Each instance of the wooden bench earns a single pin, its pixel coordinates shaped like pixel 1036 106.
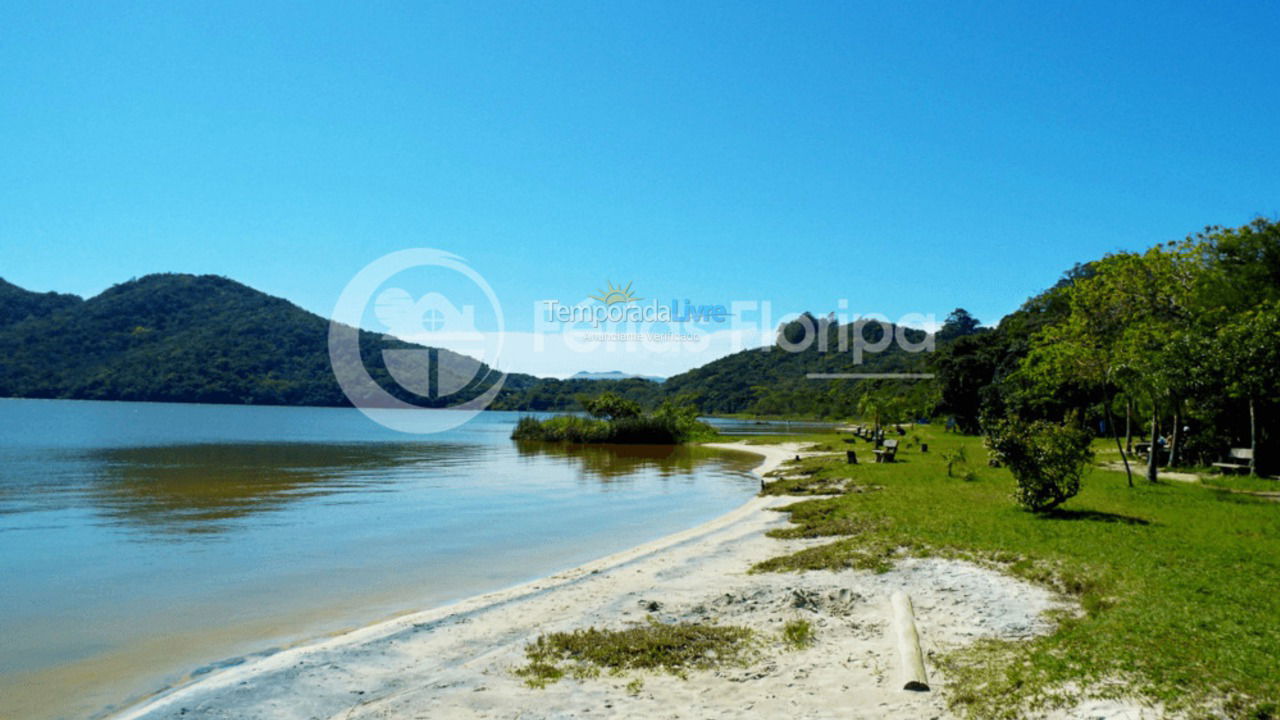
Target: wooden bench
pixel 1236 459
pixel 888 452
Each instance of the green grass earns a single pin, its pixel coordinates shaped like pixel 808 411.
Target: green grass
pixel 1180 583
pixel 1241 482
pixel 675 648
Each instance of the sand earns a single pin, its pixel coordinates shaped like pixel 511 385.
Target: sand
pixel 457 661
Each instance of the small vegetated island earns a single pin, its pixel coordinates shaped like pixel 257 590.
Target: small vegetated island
pixel 616 419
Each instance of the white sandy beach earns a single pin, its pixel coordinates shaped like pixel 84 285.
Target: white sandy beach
pixel 457 661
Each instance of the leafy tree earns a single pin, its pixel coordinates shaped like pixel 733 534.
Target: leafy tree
pixel 1128 328
pixel 965 369
pixel 959 323
pixel 1248 347
pixel 610 406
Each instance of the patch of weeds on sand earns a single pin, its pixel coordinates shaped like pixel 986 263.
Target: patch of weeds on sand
pixel 635 686
pixel 839 555
pixel 810 476
pixel 811 519
pixel 675 648
pixel 804 485
pixel 797 634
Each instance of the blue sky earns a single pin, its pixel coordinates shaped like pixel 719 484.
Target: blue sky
pixel 907 157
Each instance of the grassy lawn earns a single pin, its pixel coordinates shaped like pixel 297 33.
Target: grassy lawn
pixel 1242 482
pixel 1180 584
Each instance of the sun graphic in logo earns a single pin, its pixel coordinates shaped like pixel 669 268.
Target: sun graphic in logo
pixel 615 295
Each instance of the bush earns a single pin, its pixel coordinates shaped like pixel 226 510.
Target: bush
pixel 1047 460
pixel 563 428
pixel 647 430
pixel 670 424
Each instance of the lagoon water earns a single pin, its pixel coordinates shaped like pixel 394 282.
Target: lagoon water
pixel 141 543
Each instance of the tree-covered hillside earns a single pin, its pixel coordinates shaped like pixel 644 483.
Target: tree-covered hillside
pixel 178 338
pixel 186 338
pixel 775 381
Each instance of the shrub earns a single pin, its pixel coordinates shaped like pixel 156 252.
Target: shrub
pixel 954 458
pixel 646 430
pixel 1047 460
pixel 682 419
pixel 615 422
pixel 528 428
pixel 563 428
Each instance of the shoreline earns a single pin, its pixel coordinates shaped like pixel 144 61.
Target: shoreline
pixel 458 660
pixel 234 669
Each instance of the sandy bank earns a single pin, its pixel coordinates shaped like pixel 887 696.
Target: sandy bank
pixel 457 661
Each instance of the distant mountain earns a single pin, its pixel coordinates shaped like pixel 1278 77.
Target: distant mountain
pixel 612 375
pixel 188 338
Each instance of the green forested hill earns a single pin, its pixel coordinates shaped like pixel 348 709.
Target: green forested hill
pixel 774 381
pixel 187 338
pixel 178 338
pixel 17 304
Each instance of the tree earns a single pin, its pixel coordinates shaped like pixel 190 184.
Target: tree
pixel 1248 347
pixel 1241 297
pixel 959 324
pixel 1131 323
pixel 965 368
pixel 882 405
pixel 610 406
pixel 1083 347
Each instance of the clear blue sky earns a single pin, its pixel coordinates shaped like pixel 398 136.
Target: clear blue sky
pixel 911 157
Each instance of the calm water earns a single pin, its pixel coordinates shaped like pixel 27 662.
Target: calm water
pixel 140 543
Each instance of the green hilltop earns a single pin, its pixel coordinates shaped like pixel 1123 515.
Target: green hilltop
pixel 179 338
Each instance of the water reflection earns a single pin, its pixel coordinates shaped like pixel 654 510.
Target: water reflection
pixel 138 540
pixel 203 489
pixel 608 462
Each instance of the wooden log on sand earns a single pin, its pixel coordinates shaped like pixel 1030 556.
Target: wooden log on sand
pixel 904 622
